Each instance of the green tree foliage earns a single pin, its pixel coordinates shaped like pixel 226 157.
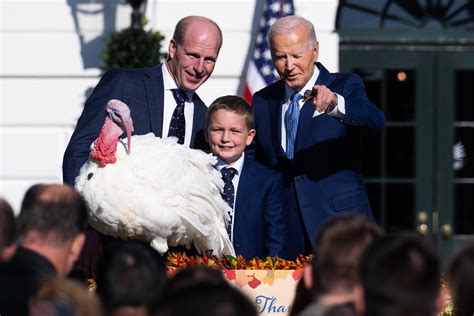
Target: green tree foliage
pixel 132 48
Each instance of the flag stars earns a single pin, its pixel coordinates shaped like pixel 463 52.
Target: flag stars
pixel 271 21
pixel 287 8
pixel 267 54
pixel 272 10
pixel 266 70
pixel 275 73
pixel 275 7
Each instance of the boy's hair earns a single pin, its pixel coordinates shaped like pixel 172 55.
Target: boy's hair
pixel 231 103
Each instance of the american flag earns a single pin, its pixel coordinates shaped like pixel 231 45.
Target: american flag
pixel 260 70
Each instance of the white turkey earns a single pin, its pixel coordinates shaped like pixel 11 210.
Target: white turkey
pixel 153 189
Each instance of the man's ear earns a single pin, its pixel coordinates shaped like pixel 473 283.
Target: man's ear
pixel 76 246
pixel 359 300
pixel 308 277
pixel 315 52
pixel 250 137
pixel 172 48
pixel 71 254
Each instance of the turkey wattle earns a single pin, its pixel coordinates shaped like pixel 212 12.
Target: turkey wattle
pixel 153 189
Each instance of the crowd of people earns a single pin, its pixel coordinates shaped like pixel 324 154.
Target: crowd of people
pixel 357 269
pixel 290 170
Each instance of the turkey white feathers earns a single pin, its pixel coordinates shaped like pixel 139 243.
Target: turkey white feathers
pixel 153 189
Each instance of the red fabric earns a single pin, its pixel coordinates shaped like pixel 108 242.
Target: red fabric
pixel 247 94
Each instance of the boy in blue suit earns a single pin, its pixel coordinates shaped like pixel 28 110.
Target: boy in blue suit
pixel 254 192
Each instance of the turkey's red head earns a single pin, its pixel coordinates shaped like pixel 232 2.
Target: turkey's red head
pixel 117 121
pixel 119 112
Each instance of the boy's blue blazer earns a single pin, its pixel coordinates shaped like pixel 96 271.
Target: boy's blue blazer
pixel 260 222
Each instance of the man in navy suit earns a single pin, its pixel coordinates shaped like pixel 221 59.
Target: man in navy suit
pixel 257 226
pixel 313 140
pixel 192 54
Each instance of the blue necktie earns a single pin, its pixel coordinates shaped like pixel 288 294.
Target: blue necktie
pixel 178 122
pixel 292 116
pixel 229 193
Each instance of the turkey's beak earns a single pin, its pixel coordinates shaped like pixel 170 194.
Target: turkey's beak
pixel 128 124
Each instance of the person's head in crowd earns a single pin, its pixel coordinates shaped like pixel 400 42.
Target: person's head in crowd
pixel 7 231
pixel 228 128
pixel 303 297
pixel 461 281
pixel 337 253
pixel 192 276
pixel 400 275
pixel 52 222
pixel 206 300
pixel 332 277
pixel 339 310
pixel 59 296
pixel 130 278
pixel 294 49
pixel 193 51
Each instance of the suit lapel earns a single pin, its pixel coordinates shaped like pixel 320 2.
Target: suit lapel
pixel 199 117
pixel 245 191
pixel 155 97
pixel 275 122
pixel 306 114
pixel 324 78
pixel 276 103
pixel 307 111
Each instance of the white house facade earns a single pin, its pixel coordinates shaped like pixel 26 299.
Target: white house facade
pixel 49 58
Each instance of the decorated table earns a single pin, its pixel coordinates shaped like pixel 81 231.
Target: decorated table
pixel 270 283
